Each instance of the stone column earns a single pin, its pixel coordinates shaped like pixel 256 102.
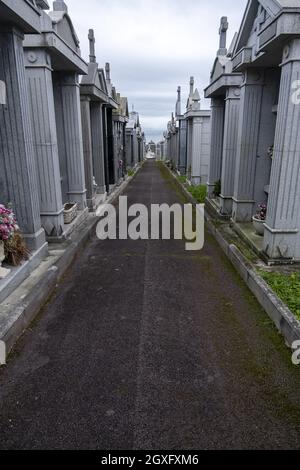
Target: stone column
pixel 282 236
pixel 39 77
pixel 177 148
pixel 18 175
pixel 110 146
pixel 117 149
pixel 87 150
pixel 105 147
pixel 97 146
pixel 232 106
pixel 247 145
pixel 217 130
pixel 182 146
pixel 73 139
pixel 196 150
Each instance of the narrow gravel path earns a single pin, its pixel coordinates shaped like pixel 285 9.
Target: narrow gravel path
pixel 147 346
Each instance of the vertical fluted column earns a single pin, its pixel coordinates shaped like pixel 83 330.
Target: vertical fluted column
pixel 87 150
pixel 18 174
pixel 97 146
pixel 189 147
pixel 177 149
pixel 105 147
pixel 39 77
pixel 247 145
pixel 110 147
pixel 182 146
pixel 232 105
pixel 282 236
pixel 73 139
pixel 216 149
pixel 196 150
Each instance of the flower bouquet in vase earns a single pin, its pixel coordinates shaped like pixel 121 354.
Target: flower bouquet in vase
pixel 259 219
pixel 12 245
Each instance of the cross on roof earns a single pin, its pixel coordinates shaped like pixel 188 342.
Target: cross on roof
pixel 92 41
pixel 223 35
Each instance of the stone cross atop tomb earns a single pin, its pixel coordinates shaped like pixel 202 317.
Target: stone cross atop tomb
pixel 60 5
pixel 92 41
pixel 107 71
pixel 223 36
pixel 192 82
pixel 178 103
pixel 190 98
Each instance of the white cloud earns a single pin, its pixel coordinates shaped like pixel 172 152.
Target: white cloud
pixel 154 46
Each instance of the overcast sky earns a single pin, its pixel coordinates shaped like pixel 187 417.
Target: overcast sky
pixel 153 46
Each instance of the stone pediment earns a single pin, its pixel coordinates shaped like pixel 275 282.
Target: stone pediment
pixel 220 67
pixel 63 26
pixel 22 13
pixel 102 81
pixel 92 78
pixel 258 15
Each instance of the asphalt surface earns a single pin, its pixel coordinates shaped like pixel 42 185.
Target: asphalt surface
pixel 147 346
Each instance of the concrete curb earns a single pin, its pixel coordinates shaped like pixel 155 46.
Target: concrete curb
pixel 20 317
pixel 285 321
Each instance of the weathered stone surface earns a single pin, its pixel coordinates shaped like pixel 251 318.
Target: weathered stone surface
pixel 18 179
pixel 259 157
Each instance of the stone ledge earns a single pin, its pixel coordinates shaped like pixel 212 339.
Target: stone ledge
pixel 23 305
pixel 284 320
pixel 19 273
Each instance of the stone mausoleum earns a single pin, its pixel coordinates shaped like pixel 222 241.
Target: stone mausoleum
pixel 62 124
pixel 134 140
pixel 255 156
pixel 188 138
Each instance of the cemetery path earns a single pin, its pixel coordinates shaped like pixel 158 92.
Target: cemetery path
pixel 147 346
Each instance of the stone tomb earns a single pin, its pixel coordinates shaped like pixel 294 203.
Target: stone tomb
pixel 53 64
pixel 18 176
pixel 94 100
pixel 262 162
pixel 120 119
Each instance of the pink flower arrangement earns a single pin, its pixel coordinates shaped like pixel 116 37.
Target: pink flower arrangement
pixel 8 223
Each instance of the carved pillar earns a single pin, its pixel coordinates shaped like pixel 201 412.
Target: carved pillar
pixel 105 146
pixel 232 105
pixel 282 238
pixel 73 139
pixel 247 145
pixel 217 129
pixel 39 77
pixel 196 150
pixel 97 146
pixel 110 146
pixel 182 146
pixel 87 150
pixel 189 147
pixel 18 175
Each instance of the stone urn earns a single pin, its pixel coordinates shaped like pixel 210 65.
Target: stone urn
pixel 258 226
pixel 3 272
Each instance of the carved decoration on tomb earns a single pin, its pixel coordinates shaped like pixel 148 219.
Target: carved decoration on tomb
pixel 31 57
pixel 51 230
